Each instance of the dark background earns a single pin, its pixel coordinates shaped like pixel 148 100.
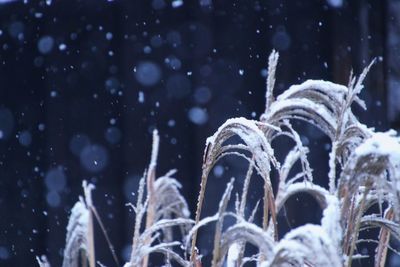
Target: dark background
pixel 84 83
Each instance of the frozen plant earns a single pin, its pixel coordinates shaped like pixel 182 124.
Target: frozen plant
pixel 161 205
pixel 364 172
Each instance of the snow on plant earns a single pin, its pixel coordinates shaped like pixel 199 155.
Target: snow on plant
pixel 364 171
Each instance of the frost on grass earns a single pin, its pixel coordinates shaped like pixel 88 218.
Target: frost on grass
pixel 364 172
pixel 77 234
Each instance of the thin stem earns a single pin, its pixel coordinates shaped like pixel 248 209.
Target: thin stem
pixel 246 188
pixel 204 176
pixel 87 188
pixel 103 229
pixel 151 176
pixel 357 227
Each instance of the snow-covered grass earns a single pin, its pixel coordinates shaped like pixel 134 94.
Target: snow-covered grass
pixel 364 172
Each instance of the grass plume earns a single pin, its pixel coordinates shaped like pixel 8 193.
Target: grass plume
pixel 364 172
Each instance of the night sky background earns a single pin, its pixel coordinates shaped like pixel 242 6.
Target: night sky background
pixel 84 82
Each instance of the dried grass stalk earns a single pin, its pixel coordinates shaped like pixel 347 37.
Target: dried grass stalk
pixel 364 171
pixel 80 237
pixel 151 176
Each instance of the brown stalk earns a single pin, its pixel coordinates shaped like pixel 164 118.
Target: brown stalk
pixel 269 207
pixel 103 229
pixel 203 183
pixel 83 258
pixel 151 176
pixel 384 238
